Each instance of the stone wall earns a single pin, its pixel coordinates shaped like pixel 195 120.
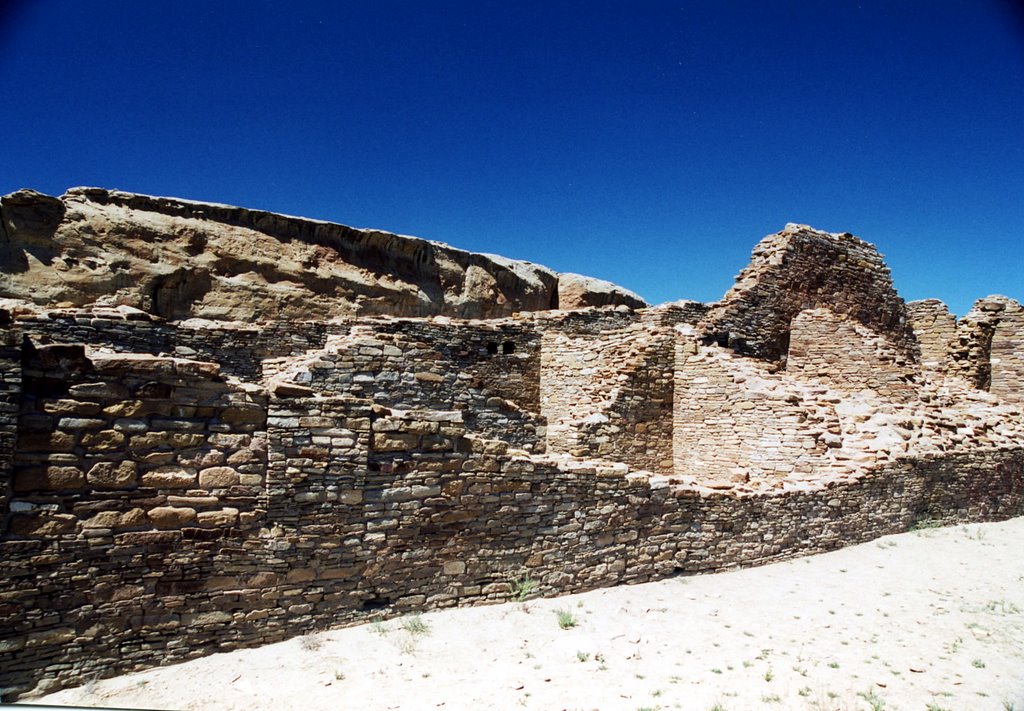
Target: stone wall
pixel 172 489
pixel 935 329
pixel 610 395
pixel 239 350
pixel 737 422
pixel 973 356
pixel 489 372
pixel 10 400
pixel 1007 355
pixel 801 268
pixel 369 512
pixel 848 356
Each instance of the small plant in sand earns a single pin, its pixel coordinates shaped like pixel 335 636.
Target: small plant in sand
pixel 379 627
pixel 876 702
pixel 936 707
pixel 311 642
pixel 566 620
pixel 978 664
pixel 769 675
pixel 415 625
pixel 1002 607
pixel 523 588
pixel 582 656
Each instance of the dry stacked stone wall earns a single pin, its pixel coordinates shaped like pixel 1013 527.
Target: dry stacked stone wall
pixel 829 348
pixel 1007 355
pixel 172 489
pixel 610 395
pixel 935 329
pixel 735 421
pixel 801 268
pixel 490 373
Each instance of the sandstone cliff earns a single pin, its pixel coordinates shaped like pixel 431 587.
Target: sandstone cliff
pixel 181 259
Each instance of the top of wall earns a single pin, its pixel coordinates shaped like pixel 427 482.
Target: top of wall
pixel 802 268
pixel 182 259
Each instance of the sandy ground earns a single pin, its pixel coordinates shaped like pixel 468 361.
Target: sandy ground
pixel 932 619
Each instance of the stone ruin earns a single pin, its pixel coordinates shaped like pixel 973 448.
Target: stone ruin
pixel 221 428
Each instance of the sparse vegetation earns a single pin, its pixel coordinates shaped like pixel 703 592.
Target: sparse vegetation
pixel 415 625
pixel 566 620
pixel 876 702
pixel 523 588
pixel 311 642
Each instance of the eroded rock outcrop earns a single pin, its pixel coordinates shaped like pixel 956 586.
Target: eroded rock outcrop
pixel 180 259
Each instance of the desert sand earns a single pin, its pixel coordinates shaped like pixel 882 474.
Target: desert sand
pixel 932 619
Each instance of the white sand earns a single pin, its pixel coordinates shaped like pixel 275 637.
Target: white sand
pixel 927 620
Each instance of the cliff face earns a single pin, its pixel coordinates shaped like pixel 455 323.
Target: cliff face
pixel 180 259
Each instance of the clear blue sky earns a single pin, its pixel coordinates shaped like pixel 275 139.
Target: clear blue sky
pixel 648 143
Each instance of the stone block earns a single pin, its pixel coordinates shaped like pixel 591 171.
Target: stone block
pixel 218 519
pixel 55 478
pixel 112 475
pixel 108 391
pixel 170 477
pixel 389 442
pixel 80 423
pixel 70 407
pixel 171 517
pixel 217 477
pixel 103 441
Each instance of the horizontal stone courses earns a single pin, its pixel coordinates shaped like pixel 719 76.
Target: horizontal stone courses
pixel 171 488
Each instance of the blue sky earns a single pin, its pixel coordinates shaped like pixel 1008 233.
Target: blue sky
pixel 648 143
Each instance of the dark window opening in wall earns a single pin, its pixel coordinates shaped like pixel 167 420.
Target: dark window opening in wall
pixel 508 347
pixel 492 348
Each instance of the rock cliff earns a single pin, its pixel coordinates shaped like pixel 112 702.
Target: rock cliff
pixel 180 259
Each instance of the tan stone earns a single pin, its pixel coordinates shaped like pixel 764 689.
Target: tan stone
pixel 171 516
pixel 112 475
pixel 70 407
pixel 104 519
pixel 170 478
pixel 218 519
pixel 104 440
pixel 217 477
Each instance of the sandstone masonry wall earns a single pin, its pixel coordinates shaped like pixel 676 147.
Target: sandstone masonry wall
pixel 801 268
pixel 737 423
pixel 488 372
pixel 172 489
pixel 610 395
pixel 831 349
pixel 935 329
pixel 1007 355
pixel 368 512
